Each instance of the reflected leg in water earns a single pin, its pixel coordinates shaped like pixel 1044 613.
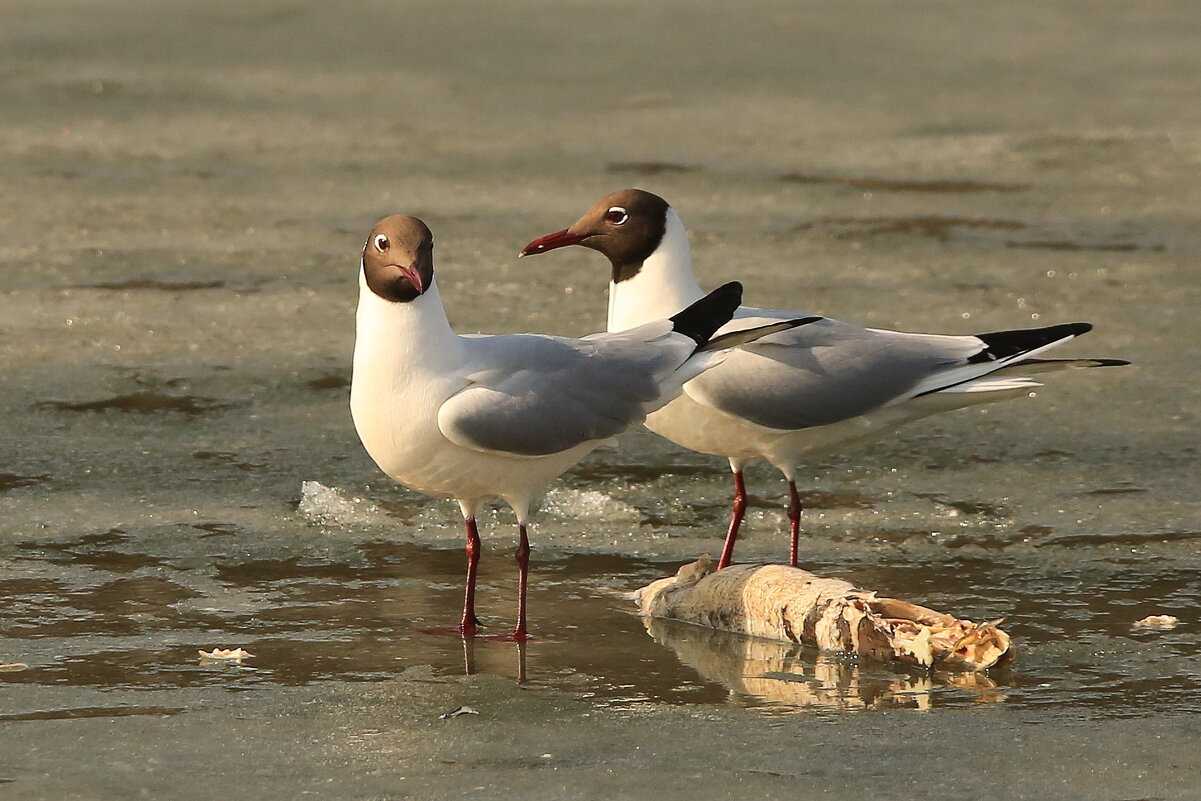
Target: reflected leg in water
pixel 469 656
pixel 521 673
pixel 469 646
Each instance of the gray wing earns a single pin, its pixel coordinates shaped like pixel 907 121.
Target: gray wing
pixel 827 371
pixel 533 395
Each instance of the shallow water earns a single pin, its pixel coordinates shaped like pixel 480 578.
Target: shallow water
pixel 186 193
pixel 105 611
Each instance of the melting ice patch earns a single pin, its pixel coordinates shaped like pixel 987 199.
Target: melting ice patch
pixel 328 506
pixel 587 504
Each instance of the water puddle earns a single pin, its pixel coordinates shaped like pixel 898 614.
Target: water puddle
pixel 651 167
pixel 1066 244
pixel 229 459
pixel 11 481
pixel 329 381
pixel 93 712
pixel 931 225
pixel 965 506
pixel 115 616
pixel 1127 538
pixel 152 283
pixel 990 230
pixel 903 185
pixel 139 403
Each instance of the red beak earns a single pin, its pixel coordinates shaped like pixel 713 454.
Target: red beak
pixel 559 239
pixel 414 275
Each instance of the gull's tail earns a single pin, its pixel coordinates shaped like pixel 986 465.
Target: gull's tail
pixel 1011 353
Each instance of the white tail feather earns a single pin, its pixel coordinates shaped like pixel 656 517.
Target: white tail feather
pixel 993 384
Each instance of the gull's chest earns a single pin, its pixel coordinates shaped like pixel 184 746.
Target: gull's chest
pixel 395 404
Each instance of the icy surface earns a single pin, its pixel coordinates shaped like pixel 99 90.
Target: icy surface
pixel 328 506
pixel 187 187
pixel 588 505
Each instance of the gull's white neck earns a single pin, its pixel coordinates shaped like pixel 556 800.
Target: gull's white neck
pixel 664 285
pixel 395 339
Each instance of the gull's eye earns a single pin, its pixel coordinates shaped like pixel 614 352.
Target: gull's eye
pixel 617 215
pixel 381 243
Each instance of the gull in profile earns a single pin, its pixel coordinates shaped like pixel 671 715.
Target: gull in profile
pixel 800 392
pixel 475 417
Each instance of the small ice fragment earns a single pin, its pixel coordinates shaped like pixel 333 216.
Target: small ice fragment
pixel 1156 623
pixel 12 667
pixel 327 506
pixel 454 713
pixel 587 504
pixel 224 655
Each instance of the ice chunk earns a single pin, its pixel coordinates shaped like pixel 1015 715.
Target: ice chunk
pixel 587 504
pixel 328 506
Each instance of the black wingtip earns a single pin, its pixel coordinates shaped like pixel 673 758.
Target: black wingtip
pixel 1003 344
pixel 701 320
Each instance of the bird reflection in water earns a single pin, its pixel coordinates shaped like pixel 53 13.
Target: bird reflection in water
pixel 469 665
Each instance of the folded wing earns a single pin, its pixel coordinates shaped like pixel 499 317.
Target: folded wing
pixel 831 371
pixel 532 395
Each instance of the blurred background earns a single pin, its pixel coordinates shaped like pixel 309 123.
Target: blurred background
pixel 187 187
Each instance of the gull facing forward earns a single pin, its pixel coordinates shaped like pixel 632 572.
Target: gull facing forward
pixel 800 392
pixel 477 417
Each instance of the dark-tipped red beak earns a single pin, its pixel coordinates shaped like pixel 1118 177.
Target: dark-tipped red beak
pixel 559 239
pixel 414 275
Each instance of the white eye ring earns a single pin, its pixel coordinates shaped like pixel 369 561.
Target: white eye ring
pixel 381 242
pixel 617 215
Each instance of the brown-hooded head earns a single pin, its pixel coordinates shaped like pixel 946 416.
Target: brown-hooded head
pixel 398 259
pixel 626 226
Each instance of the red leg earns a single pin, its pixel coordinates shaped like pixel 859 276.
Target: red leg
pixel 739 509
pixel 523 569
pixel 469 622
pixel 795 507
